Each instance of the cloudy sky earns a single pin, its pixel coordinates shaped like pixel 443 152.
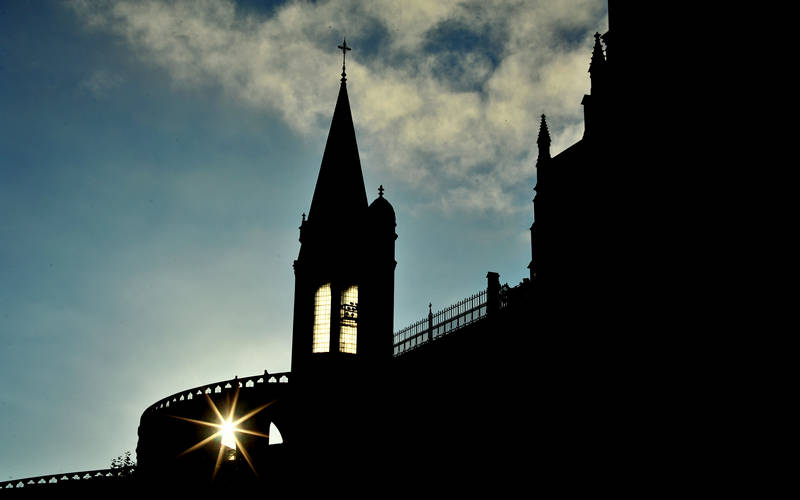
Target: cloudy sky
pixel 155 158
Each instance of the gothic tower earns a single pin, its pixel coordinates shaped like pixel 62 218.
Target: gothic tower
pixel 344 273
pixel 543 141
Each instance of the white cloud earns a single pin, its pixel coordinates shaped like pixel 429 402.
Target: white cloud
pixel 465 143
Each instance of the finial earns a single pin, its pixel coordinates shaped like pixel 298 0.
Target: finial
pixel 304 216
pixel 344 48
pixel 429 308
pixel 544 133
pixel 597 54
pixel 380 191
pixel 543 141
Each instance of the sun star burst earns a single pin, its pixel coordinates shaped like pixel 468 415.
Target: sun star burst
pixel 227 429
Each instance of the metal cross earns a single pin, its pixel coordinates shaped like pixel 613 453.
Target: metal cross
pixel 344 48
pixel 380 191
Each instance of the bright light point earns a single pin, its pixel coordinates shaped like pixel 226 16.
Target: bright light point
pixel 227 434
pixel 227 430
pixel 274 434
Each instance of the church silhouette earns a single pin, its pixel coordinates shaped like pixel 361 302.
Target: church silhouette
pixel 510 386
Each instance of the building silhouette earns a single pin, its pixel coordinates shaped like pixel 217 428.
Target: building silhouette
pixel 508 385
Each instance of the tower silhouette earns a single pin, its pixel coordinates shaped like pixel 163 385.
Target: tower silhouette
pixel 344 273
pixel 342 337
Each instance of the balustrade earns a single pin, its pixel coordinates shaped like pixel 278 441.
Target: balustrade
pixel 220 387
pixel 69 476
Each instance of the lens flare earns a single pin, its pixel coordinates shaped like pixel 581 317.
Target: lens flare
pixel 228 428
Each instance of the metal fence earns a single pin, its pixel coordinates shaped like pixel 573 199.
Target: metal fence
pixel 441 323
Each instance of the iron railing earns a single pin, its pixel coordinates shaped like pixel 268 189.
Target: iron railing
pixel 441 323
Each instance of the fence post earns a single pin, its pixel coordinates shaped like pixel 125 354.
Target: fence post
pixel 430 322
pixel 492 293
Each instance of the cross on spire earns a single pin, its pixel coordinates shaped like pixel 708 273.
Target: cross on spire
pixel 380 191
pixel 344 48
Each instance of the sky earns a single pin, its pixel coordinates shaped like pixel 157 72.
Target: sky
pixel 156 157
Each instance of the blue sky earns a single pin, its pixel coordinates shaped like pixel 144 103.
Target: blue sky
pixel 155 158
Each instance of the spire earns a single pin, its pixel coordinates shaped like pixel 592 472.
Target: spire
pixel 339 195
pixel 598 59
pixel 543 141
pixel 597 68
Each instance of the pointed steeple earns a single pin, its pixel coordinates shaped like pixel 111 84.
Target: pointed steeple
pixel 597 67
pixel 543 141
pixel 340 193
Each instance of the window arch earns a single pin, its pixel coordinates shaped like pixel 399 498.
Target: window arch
pixel 348 331
pixel 275 436
pixel 322 319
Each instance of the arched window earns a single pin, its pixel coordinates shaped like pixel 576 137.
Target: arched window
pixel 349 320
pixel 322 319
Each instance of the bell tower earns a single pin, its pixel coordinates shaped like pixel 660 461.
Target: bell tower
pixel 344 273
